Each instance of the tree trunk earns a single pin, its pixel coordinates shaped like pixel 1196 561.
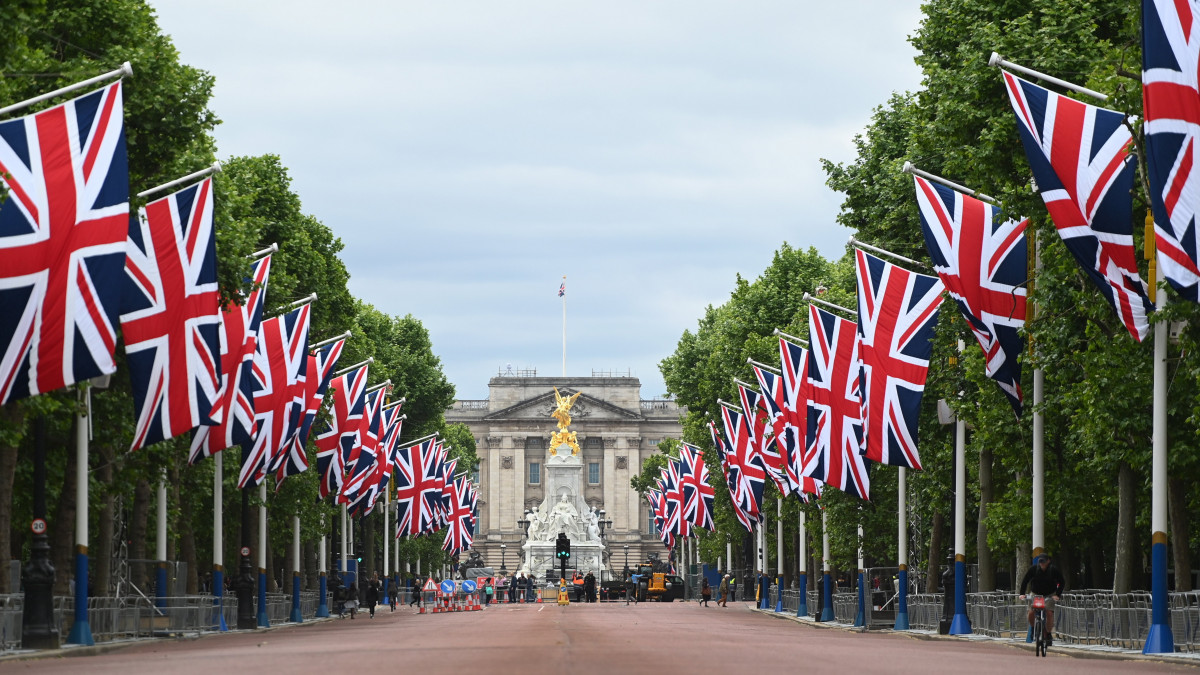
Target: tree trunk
pixel 1122 566
pixel 1066 561
pixel 187 551
pixel 137 533
pixel 12 415
pixel 1020 564
pixel 1177 503
pixel 933 571
pixel 987 568
pixel 62 535
pixel 101 556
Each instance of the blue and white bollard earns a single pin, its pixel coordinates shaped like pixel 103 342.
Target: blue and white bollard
pixel 802 608
pixel 296 616
pixel 263 620
pixel 902 599
pixel 322 603
pixel 860 615
pixel 961 623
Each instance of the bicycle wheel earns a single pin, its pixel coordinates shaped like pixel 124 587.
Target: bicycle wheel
pixel 1039 636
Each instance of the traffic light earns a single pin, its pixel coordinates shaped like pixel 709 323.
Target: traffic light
pixel 358 551
pixel 562 547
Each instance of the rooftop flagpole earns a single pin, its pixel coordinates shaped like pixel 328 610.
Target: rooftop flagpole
pixel 126 70
pixel 562 293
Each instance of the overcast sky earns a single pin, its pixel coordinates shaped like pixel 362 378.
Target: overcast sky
pixel 469 154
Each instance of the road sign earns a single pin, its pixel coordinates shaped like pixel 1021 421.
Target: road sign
pixel 448 586
pixel 430 586
pixel 469 586
pixel 246 551
pixel 38 526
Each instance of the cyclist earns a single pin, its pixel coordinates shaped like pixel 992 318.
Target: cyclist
pixel 1044 579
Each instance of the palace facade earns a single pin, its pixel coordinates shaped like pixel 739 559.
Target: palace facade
pixel 616 430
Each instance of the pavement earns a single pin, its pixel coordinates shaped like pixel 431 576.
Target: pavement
pixel 659 638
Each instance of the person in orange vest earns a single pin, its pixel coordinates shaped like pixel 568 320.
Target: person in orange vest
pixel 577 581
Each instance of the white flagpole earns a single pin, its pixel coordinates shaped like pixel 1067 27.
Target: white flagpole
pixel 215 167
pixel 998 61
pixel 125 70
pixel 564 307
pixel 909 168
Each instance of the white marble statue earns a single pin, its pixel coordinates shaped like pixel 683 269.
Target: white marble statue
pixel 592 523
pixel 564 518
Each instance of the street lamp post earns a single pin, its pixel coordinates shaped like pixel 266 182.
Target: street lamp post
pixel 503 556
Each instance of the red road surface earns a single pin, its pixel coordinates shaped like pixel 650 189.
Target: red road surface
pixel 598 638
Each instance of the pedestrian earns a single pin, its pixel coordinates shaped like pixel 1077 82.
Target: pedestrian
pixel 352 599
pixel 395 596
pixel 512 589
pixel 589 587
pixel 487 592
pixel 531 589
pixel 705 592
pixel 724 591
pixel 372 594
pixel 414 587
pixel 732 588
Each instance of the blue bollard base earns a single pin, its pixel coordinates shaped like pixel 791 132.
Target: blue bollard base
pixel 1159 640
pixel 960 625
pixel 221 625
pixel 827 614
pixel 779 605
pixel 802 610
pixel 81 634
pixel 296 617
pixel 858 620
pixel 901 621
pixel 263 620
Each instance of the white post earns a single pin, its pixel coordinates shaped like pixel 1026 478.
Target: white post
pixel 160 549
pixel 960 491
pixel 803 549
pixel 218 510
pixel 342 567
pixel 418 566
pixel 728 554
pixel 386 549
pixel 901 519
pixel 824 542
pixel 322 567
pixel 296 545
pixel 779 539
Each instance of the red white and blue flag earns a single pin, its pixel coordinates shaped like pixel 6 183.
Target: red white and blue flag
pixel 792 437
pixel 447 473
pixel 897 314
pixel 171 315
pixel 672 494
pixel 316 382
pixel 658 510
pixel 418 489
pixel 64 219
pixel 280 368
pixel 1171 96
pixel 756 408
pixel 234 405
pixel 747 473
pixel 361 462
pixel 698 495
pixel 981 258
pixel 460 530
pixel 340 433
pixel 834 442
pixel 1083 165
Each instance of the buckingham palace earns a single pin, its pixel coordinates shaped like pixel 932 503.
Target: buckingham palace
pixel 616 430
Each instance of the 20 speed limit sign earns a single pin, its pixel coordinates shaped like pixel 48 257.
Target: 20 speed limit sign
pixel 38 526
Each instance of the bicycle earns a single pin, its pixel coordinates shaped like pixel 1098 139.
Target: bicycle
pixel 1039 626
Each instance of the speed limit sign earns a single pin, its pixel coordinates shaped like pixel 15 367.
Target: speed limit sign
pixel 38 526
pixel 246 551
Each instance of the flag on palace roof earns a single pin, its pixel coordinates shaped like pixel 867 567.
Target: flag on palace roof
pixel 171 315
pixel 1082 162
pixel 64 220
pixel 897 314
pixel 981 258
pixel 234 405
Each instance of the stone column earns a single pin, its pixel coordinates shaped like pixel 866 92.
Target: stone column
pixel 493 482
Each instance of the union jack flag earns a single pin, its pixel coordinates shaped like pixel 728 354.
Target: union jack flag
pixel 658 507
pixel 280 367
pixel 756 408
pixel 316 382
pixel 385 456
pixel 698 495
pixel 672 493
pixel 791 439
pixel 234 406
pixel 981 259
pixel 1081 160
pixel 747 473
pixel 361 463
pixel 447 473
pixel 834 408
pixel 341 431
pixel 1171 94
pixel 170 315
pixel 64 218
pixel 418 489
pixel 897 314
pixel 459 529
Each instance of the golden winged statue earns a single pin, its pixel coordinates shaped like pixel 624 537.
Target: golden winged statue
pixel 562 413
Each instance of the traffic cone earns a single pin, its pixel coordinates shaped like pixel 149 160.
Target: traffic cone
pixel 539 597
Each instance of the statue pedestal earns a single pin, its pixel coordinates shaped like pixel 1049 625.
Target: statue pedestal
pixel 564 510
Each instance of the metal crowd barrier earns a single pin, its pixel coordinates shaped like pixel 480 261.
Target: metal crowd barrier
pixel 924 610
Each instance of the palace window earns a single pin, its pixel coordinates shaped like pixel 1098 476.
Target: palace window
pixel 593 473
pixel 650 525
pixel 535 473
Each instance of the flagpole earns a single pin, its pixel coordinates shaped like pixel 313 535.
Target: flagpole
pixel 1038 526
pixel 263 620
pixel 81 628
pixel 335 338
pixel 386 549
pixel 1159 640
pixel 998 61
pixel 860 615
pixel 826 577
pixel 342 567
pixel 902 550
pixel 564 326
pixel 296 616
pixel 810 298
pixel 218 588
pixel 771 369
pixel 264 252
pixel 347 369
pixel 875 249
pixel 960 624
pixel 779 554
pixel 126 70
pixel 802 554
pixel 215 167
pixel 909 168
pixel 801 341
pixel 323 572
